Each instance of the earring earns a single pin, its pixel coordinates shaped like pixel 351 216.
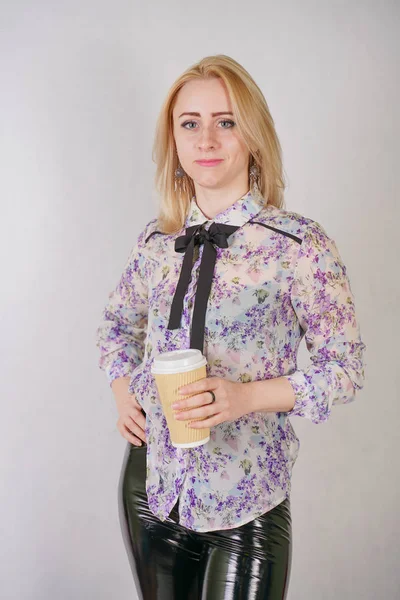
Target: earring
pixel 180 179
pixel 255 183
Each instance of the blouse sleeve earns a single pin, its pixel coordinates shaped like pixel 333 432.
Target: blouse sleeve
pixel 122 330
pixel 324 304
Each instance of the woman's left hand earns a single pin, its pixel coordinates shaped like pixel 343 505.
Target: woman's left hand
pixel 231 402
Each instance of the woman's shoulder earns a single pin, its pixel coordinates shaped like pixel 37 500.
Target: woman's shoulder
pixel 291 221
pixel 145 232
pixel 150 226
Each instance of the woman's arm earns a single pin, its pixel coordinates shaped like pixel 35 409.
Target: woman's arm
pixel 122 330
pixel 269 395
pixel 322 299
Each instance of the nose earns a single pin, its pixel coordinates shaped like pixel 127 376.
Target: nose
pixel 206 139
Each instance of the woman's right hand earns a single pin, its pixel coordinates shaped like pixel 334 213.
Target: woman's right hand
pixel 132 422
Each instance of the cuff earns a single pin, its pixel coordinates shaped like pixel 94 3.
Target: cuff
pixel 308 403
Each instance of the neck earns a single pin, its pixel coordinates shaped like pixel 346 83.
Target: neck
pixel 211 202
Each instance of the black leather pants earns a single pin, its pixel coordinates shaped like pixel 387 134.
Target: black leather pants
pixel 171 562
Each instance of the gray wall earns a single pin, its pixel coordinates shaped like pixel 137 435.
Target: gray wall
pixel 81 87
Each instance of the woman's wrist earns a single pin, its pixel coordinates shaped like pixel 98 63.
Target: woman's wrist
pixel 116 383
pixel 269 395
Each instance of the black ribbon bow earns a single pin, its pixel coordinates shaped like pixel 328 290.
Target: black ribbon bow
pixel 217 235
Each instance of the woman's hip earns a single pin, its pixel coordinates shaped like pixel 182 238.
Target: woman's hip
pixel 252 560
pixel 264 534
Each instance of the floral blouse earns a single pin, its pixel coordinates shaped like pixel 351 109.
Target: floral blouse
pixel 277 277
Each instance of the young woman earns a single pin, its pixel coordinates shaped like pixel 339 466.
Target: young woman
pixel 226 269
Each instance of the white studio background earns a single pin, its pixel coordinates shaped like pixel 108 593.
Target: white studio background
pixel 81 87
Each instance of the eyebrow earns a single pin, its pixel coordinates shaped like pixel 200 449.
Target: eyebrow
pixel 197 114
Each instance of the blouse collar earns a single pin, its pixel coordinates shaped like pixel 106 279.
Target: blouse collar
pixel 238 213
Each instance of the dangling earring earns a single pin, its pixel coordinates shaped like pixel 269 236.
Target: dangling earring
pixel 180 179
pixel 255 183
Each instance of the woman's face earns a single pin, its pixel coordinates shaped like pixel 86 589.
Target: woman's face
pixel 205 136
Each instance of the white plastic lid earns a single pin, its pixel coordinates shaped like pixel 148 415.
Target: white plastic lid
pixel 178 361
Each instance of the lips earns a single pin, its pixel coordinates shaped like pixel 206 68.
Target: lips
pixel 209 163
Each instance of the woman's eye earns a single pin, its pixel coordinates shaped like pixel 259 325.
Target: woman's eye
pixel 188 123
pixel 231 124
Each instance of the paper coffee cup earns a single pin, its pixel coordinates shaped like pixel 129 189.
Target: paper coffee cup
pixel 172 370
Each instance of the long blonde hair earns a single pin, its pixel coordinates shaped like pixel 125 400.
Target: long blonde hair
pixel 254 122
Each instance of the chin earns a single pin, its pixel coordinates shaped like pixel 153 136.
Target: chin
pixel 209 183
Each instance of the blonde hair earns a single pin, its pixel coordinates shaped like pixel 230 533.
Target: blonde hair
pixel 254 122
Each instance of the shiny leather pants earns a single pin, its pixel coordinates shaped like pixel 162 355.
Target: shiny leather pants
pixel 170 562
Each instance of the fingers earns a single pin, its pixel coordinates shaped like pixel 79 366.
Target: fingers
pixel 135 405
pixel 197 406
pixel 202 412
pixel 126 433
pixel 135 428
pixel 136 414
pixel 131 431
pixel 194 401
pixel 138 418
